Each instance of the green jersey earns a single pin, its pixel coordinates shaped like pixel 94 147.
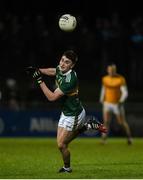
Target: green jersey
pixel 68 84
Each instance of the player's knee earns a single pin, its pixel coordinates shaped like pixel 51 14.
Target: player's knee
pixel 61 146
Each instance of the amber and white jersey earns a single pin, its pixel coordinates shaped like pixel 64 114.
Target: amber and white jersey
pixel 114 89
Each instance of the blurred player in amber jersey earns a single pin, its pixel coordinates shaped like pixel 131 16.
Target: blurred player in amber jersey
pixel 113 95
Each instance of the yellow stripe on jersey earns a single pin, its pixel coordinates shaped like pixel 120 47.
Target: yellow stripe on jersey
pixel 75 92
pixel 72 94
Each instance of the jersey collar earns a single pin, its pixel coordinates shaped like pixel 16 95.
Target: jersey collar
pixel 66 72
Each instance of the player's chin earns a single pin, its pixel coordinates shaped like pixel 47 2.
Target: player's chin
pixel 63 70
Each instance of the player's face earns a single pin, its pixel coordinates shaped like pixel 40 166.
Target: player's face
pixel 111 70
pixel 65 64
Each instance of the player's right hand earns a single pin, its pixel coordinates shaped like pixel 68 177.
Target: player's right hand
pixel 38 76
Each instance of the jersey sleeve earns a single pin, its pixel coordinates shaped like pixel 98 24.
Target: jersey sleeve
pixel 57 70
pixel 103 80
pixel 123 81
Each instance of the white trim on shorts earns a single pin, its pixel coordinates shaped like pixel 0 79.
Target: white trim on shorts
pixel 113 108
pixel 71 123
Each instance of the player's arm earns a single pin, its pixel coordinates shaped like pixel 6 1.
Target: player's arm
pixel 51 96
pixel 102 94
pixel 48 71
pixel 124 93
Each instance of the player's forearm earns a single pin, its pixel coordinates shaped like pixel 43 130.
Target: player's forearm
pixel 124 94
pixel 102 94
pixel 48 71
pixel 47 92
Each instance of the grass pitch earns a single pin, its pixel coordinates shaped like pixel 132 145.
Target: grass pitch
pixel 39 158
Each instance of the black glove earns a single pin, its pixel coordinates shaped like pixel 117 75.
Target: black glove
pixel 37 76
pixel 30 70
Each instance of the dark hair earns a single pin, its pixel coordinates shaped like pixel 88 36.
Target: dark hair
pixel 70 54
pixel 111 64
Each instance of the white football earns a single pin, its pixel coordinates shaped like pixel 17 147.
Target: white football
pixel 67 22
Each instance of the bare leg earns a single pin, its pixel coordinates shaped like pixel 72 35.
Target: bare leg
pixel 64 137
pixel 106 120
pixel 122 121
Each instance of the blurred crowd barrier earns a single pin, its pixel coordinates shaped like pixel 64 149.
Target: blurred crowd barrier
pixel 44 122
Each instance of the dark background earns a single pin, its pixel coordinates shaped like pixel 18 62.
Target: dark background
pixel 107 31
